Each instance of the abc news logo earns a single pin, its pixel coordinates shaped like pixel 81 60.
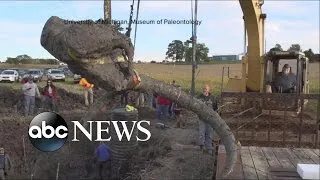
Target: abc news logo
pixel 48 131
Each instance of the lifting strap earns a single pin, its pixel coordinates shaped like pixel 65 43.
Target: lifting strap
pixel 136 26
pixel 130 20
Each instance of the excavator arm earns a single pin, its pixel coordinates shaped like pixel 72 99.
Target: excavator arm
pixel 254 23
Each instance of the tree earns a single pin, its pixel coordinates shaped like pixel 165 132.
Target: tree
pixel 175 50
pixel 277 47
pixel 24 56
pixel 201 53
pixel 295 47
pixel 309 54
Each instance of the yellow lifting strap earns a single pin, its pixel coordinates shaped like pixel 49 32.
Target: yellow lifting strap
pixel 130 108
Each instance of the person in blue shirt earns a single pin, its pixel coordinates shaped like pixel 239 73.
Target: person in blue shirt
pixel 102 156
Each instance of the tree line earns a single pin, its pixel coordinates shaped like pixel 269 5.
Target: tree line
pixel 179 51
pixel 25 59
pixel 296 47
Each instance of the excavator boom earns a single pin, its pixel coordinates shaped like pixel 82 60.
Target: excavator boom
pixel 254 23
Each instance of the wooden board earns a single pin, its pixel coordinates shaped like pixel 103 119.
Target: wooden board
pixel 271 158
pixel 237 172
pixel 260 162
pixel 293 157
pixel 269 163
pixel 304 158
pixel 315 158
pixel 282 158
pixel 317 151
pixel 249 170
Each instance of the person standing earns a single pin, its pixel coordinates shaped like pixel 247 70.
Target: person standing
pixel 102 156
pixel 162 110
pixel 30 90
pixel 205 130
pixel 5 164
pixel 88 89
pixel 50 94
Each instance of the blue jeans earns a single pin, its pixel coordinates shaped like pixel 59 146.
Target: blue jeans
pixel 162 112
pixel 150 100
pixel 29 102
pixel 205 135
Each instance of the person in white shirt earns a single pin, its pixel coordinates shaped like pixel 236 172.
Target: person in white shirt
pixel 30 90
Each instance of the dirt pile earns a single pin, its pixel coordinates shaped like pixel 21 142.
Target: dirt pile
pixel 153 159
pixel 11 101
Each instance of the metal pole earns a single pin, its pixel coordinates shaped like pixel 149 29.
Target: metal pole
pixel 194 47
pixel 245 37
pixel 136 25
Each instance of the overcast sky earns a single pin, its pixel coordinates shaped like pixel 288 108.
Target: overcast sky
pixel 221 29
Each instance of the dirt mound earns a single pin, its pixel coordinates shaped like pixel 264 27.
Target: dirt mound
pixel 12 101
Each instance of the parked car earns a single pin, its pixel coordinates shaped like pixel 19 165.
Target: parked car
pixel 56 74
pixel 21 73
pixel 9 75
pixel 45 71
pixel 36 74
pixel 66 71
pixel 76 78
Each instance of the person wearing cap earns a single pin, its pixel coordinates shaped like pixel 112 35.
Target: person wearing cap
pixel 5 164
pixel 30 90
pixel 285 81
pixel 87 87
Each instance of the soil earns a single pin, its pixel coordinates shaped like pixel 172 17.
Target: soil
pixel 170 153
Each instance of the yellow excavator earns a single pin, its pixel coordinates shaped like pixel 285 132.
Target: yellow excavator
pixel 258 68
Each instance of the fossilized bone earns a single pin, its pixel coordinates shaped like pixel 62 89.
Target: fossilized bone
pixel 91 50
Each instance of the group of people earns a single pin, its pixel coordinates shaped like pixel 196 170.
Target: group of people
pixel 31 90
pixel 49 95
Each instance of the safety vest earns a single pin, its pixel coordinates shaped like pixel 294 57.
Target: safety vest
pixel 83 82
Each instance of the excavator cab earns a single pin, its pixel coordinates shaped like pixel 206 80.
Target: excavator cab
pixel 274 62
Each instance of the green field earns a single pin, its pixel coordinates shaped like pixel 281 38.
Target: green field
pixel 206 74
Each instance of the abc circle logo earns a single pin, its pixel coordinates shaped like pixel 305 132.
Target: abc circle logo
pixel 48 132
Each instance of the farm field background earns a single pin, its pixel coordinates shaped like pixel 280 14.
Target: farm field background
pixel 205 74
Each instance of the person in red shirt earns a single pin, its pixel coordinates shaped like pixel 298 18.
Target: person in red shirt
pixel 50 95
pixel 162 109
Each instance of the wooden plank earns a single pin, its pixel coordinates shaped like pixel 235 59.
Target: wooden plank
pixel 247 164
pixel 282 158
pixel 271 158
pixel 304 158
pixel 317 151
pixel 295 159
pixel 260 162
pixel 237 172
pixel 315 158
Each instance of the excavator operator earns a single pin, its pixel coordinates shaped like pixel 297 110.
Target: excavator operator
pixel 285 81
pixel 87 89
